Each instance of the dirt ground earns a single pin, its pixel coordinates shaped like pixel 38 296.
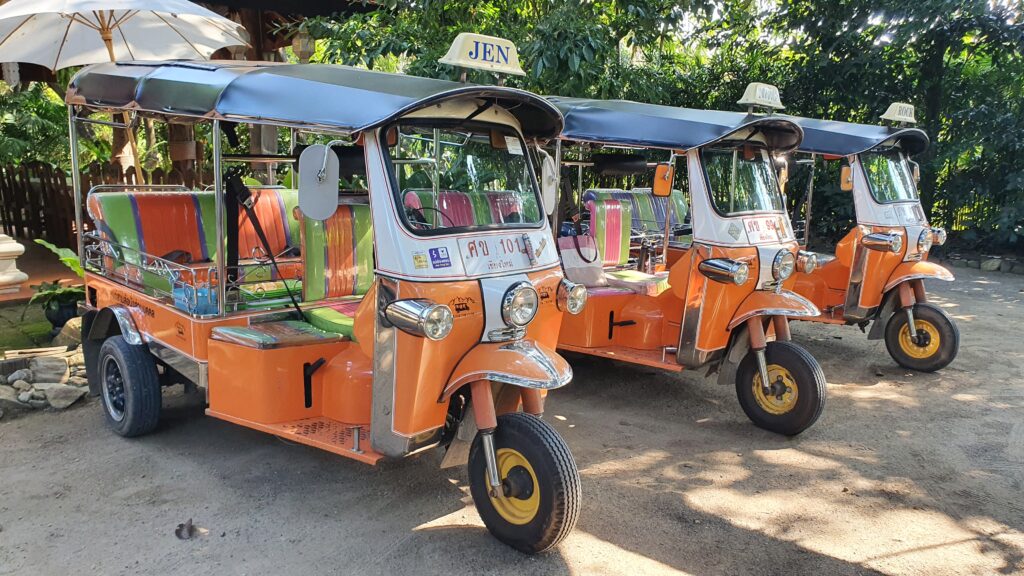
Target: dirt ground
pixel 904 474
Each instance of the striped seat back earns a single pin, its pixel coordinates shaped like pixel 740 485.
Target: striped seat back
pixel 337 254
pixel 609 225
pixel 157 223
pixel 449 209
pixel 275 209
pixel 507 206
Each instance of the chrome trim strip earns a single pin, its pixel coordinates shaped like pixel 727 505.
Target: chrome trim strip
pixel 529 350
pixel 903 279
pixel 852 310
pixel 687 353
pixel 789 312
pixel 124 319
pixel 383 438
pixel 182 364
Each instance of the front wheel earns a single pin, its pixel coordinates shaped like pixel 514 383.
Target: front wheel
pixel 540 500
pixel 796 395
pixel 937 342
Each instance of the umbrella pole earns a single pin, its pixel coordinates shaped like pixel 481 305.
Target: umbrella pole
pixel 108 39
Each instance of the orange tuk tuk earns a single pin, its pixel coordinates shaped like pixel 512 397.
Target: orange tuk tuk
pixel 671 288
pixel 877 272
pixel 406 295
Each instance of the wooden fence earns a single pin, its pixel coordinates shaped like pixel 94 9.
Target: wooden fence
pixel 37 200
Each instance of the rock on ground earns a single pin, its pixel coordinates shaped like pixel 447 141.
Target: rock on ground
pixel 9 399
pixel 62 396
pixel 78 381
pixel 49 369
pixel 992 264
pixel 21 385
pixel 70 334
pixel 45 385
pixel 23 374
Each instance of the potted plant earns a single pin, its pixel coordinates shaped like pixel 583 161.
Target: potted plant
pixel 59 301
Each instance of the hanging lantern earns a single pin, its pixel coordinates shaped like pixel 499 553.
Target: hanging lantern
pixel 303 45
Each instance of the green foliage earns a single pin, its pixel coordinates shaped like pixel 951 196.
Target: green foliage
pixel 68 257
pixel 53 294
pixel 959 62
pixel 33 124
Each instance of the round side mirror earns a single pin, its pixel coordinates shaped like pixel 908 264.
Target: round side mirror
pixel 548 182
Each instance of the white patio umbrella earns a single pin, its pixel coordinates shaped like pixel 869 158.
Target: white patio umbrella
pixel 62 33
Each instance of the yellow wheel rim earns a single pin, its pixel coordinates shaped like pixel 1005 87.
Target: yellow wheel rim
pixel 774 403
pixel 910 348
pixel 513 509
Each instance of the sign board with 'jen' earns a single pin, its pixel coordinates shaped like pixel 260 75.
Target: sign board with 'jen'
pixel 484 53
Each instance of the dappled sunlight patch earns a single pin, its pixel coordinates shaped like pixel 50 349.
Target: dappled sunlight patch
pixel 833 521
pixel 792 458
pixel 464 517
pixel 875 394
pixel 644 461
pixel 592 555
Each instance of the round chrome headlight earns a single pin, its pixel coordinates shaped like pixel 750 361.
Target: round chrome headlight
pixel 437 322
pixel 741 274
pixel 924 241
pixel 571 297
pixel 896 243
pixel 783 265
pixel 519 305
pixel 938 236
pixel 806 261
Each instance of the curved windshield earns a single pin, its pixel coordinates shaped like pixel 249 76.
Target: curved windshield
pixel 458 180
pixel 889 176
pixel 742 180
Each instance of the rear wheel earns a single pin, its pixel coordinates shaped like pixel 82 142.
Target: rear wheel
pixel 796 395
pixel 540 500
pixel 129 387
pixel 936 344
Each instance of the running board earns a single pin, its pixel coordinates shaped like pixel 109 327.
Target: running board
pixel 652 358
pixel 348 440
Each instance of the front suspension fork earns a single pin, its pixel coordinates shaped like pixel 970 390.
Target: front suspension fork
pixel 487 423
pixel 907 301
pixel 755 328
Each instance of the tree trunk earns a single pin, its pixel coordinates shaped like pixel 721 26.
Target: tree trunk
pixel 933 69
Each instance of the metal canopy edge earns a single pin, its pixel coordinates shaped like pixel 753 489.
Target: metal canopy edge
pixel 336 97
pixel 628 123
pixel 847 138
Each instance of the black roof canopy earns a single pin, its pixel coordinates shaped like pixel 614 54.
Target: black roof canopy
pixel 847 138
pixel 627 123
pixel 341 98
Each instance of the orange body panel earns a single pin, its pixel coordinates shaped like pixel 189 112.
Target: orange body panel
pixel 720 302
pixel 266 386
pixel 879 268
pixel 827 286
pixel 424 367
pixel 658 318
pixel 347 381
pixel 158 320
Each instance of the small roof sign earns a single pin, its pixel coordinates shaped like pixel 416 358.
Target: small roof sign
pixel 484 53
pixel 900 112
pixel 761 95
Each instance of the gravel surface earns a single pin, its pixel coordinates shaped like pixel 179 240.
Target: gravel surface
pixel 904 473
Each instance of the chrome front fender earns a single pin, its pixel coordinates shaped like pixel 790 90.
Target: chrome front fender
pixel 523 363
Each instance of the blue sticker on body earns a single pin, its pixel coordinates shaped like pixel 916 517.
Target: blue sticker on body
pixel 439 258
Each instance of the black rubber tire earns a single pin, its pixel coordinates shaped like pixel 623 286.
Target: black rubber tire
pixel 949 334
pixel 810 381
pixel 558 481
pixel 141 384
